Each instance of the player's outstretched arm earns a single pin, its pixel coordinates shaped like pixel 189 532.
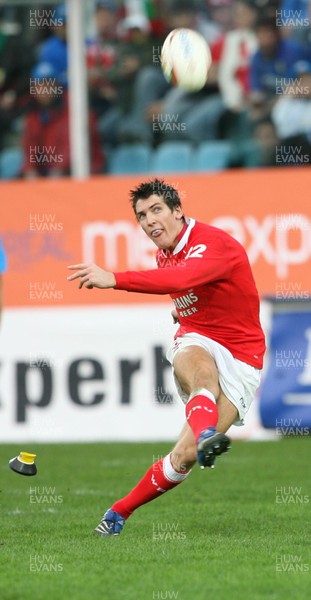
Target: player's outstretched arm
pixel 92 276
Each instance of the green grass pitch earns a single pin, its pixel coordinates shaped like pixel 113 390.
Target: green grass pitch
pixel 240 532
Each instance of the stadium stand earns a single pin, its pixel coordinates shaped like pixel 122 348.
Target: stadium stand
pixel 212 156
pixel 172 157
pixel 130 159
pixel 11 161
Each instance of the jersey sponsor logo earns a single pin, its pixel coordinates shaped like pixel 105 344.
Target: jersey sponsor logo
pixel 186 300
pixel 196 251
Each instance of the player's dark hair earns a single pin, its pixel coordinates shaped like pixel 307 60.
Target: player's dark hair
pixel 157 187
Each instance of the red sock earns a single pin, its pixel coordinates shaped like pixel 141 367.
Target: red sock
pixel 201 412
pixel 160 478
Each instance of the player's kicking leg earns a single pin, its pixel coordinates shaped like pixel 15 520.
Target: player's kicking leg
pixel 198 379
pixel 195 370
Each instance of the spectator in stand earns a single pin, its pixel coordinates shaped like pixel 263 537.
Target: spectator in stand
pixel 201 117
pixel 239 45
pixel 266 140
pixel 238 48
pixel 154 10
pixel 185 13
pixel 291 113
pixel 54 50
pixel 260 150
pixel 220 13
pixel 16 60
pixel 134 52
pixel 274 60
pixel 46 130
pixel 155 99
pixel 267 7
pixel 294 18
pixel 3 266
pixel 101 56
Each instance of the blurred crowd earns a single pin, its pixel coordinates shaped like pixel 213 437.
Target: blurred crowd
pixel 258 94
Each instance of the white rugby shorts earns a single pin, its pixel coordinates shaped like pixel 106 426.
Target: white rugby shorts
pixel 238 380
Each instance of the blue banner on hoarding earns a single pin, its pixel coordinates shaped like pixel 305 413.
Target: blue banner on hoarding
pixel 285 400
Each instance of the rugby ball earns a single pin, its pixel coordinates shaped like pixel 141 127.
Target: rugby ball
pixel 186 59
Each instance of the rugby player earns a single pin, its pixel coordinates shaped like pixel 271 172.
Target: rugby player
pixel 218 350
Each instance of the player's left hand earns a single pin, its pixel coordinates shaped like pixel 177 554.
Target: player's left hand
pixel 92 276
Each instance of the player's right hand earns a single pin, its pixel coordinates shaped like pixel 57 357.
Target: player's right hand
pixel 91 276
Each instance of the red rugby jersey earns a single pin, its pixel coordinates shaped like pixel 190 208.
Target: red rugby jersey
pixel 209 278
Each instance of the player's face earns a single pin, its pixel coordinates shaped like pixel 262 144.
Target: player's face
pixel 160 224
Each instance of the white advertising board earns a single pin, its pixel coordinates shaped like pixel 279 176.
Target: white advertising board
pixel 90 374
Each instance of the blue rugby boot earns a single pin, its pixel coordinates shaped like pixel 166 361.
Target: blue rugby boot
pixel 210 445
pixel 111 524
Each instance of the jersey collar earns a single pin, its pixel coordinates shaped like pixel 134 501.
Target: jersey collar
pixel 185 236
